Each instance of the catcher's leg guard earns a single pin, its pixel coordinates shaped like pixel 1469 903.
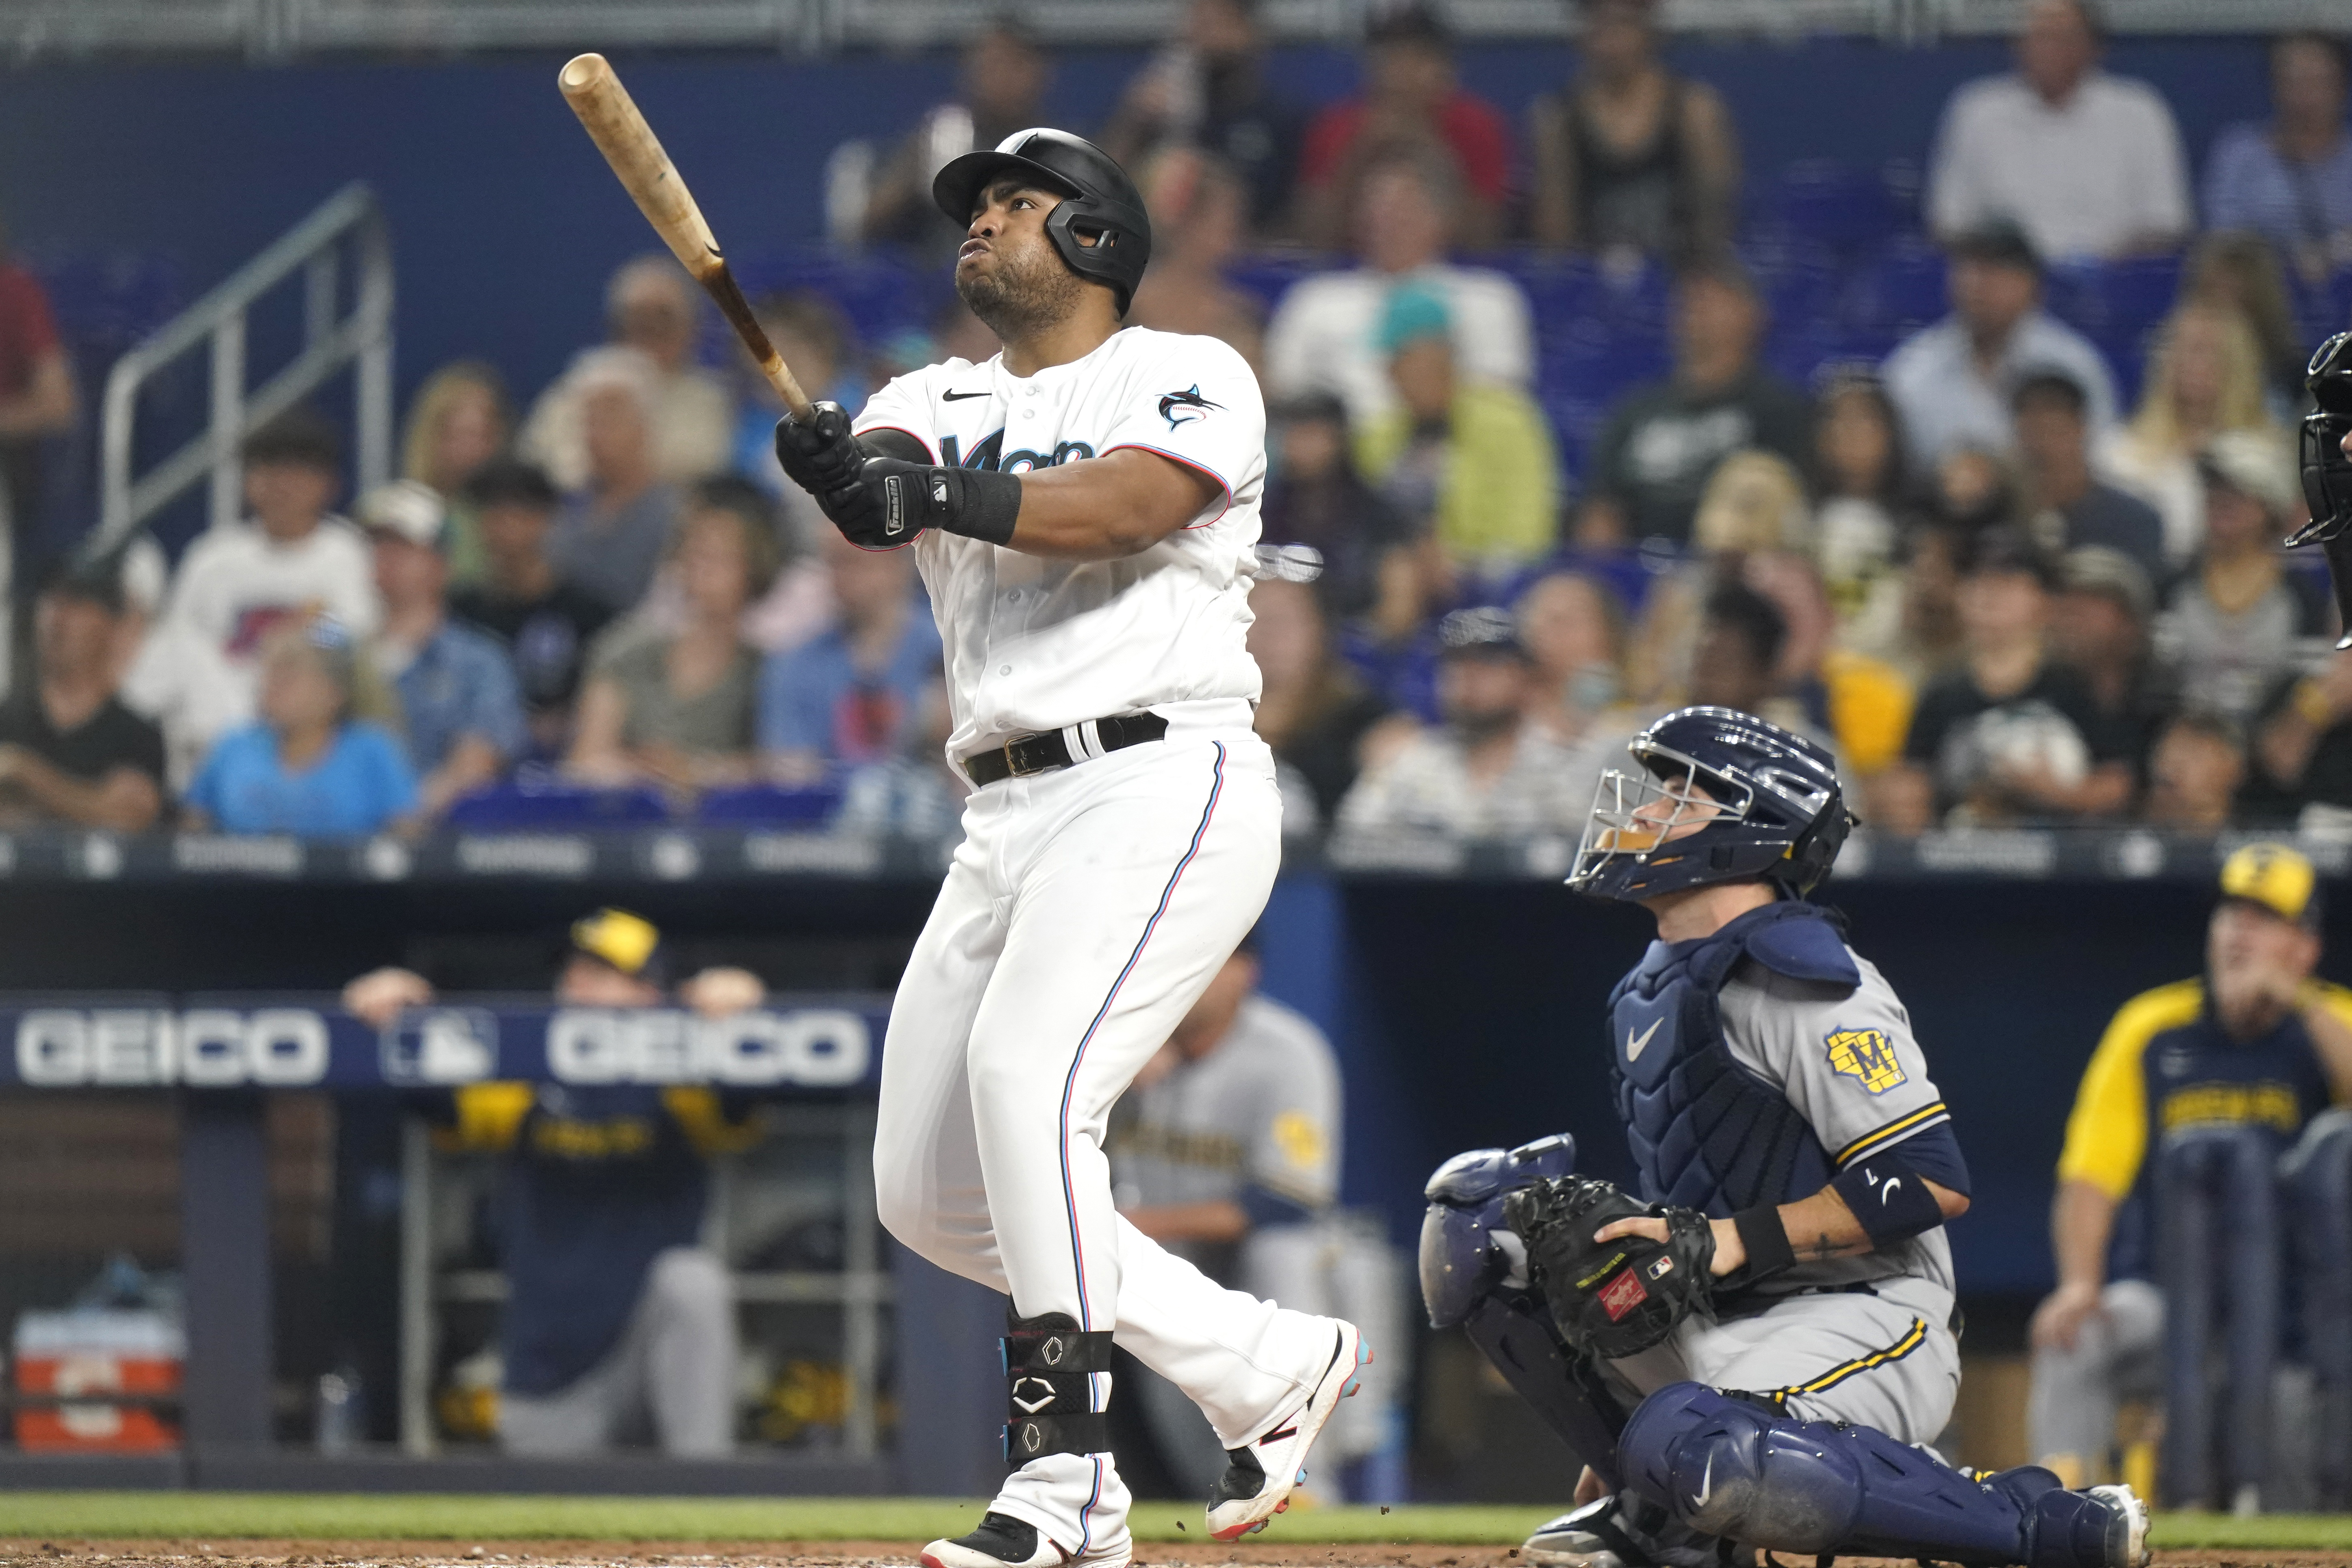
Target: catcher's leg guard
pixel 2219 1265
pixel 1517 1335
pixel 1729 1467
pixel 2318 1179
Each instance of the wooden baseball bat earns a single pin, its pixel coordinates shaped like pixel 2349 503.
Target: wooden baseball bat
pixel 620 132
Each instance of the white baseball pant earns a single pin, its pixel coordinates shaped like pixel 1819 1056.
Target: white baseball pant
pixel 1084 913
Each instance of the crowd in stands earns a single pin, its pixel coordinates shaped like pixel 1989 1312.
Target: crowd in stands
pixel 2012 570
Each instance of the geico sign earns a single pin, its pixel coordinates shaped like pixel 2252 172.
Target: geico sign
pixel 821 1048
pixel 208 1046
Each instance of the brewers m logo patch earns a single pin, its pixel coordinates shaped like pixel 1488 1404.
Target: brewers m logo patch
pixel 1866 1057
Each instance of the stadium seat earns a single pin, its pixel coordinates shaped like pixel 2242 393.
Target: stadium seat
pixel 538 799
pixel 1897 292
pixel 770 806
pixel 2114 301
pixel 879 294
pixel 1846 208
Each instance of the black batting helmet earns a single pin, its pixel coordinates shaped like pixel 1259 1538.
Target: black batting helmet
pixel 1099 203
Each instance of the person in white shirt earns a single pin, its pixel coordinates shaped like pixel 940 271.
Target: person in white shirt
pixel 1324 335
pixel 2090 165
pixel 1953 382
pixel 199 669
pixel 652 306
pixel 1083 508
pixel 1489 771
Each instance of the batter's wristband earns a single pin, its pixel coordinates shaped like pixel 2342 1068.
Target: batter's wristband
pixel 986 506
pixel 1765 1239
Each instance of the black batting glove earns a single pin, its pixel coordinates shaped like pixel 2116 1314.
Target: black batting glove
pixel 893 502
pixel 819 454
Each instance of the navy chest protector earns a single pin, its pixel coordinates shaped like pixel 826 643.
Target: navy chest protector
pixel 1707 1133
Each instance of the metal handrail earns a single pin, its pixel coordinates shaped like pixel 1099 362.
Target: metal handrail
pixel 363 338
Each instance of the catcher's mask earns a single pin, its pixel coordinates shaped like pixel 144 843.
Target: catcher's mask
pixel 1766 804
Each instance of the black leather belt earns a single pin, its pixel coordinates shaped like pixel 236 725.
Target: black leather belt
pixel 1026 754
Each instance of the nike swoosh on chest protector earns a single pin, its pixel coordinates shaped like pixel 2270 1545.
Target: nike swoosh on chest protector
pixel 1633 1045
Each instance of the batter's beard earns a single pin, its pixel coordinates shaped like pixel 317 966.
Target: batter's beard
pixel 1030 291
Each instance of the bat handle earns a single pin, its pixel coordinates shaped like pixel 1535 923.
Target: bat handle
pixel 788 387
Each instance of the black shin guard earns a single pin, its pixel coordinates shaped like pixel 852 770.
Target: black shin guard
pixel 1049 1365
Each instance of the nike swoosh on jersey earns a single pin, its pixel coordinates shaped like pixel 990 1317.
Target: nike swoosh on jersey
pixel 959 396
pixel 1632 1046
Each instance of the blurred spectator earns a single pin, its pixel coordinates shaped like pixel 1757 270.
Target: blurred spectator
pixel 1319 719
pixel 197 674
pixel 1973 490
pixel 612 531
pixel 459 420
pixel 2100 624
pixel 1922 640
pixel 2065 506
pixel 2011 733
pixel 678 709
pixel 798 603
pixel 1953 381
pixel 2240 273
pixel 461 711
pixel 37 398
pixel 1474 458
pixel 853 695
pixel 70 751
pixel 1736 661
pixel 1226 1152
pixel 1662 441
pixel 1573 627
pixel 308 766
pixel 1198 206
pixel 2204 377
pixel 915 793
pixel 546 621
pixel 1208 90
pixel 2256 1045
pixel 957 333
pixel 2302 755
pixel 2233 624
pixel 2086 163
pixel 1322 338
pixel 2193 774
pixel 1411 103
pixel 1857 526
pixel 1631 158
pixel 617 1325
pixel 1000 90
pixel 1487 771
pixel 2291 181
pixel 1315 496
pixel 1754 503
pixel 652 306
pixel 814 337
pixel 1857 705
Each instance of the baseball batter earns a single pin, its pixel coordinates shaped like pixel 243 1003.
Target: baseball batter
pixel 1084 509
pixel 1754 1351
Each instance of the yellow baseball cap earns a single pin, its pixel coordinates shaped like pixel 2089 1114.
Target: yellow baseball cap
pixel 629 942
pixel 2275 878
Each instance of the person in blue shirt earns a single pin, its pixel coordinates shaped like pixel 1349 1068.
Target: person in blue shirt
pixel 459 700
pixel 306 766
pixel 853 695
pixel 2291 181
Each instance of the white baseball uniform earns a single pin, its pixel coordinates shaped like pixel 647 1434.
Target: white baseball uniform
pixel 1086 908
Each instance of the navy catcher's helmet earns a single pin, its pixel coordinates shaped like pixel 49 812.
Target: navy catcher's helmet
pixel 1100 204
pixel 1771 810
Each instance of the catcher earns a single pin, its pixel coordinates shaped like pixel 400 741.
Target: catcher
pixel 1750 1355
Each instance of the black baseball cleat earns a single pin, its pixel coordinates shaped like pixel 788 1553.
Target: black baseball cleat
pixel 1259 1478
pixel 1003 1542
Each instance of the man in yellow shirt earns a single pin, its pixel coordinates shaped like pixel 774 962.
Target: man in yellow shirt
pixel 2194 1090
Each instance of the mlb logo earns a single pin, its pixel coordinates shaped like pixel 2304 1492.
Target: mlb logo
pixel 441 1045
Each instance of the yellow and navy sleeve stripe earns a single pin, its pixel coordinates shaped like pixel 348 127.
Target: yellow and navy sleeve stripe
pixel 1895 1132
pixel 2107 1135
pixel 704 1121
pixel 1910 1340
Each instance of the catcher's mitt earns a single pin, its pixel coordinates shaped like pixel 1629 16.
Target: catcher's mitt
pixel 1618 1297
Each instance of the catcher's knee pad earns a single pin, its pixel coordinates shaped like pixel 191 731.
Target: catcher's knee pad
pixel 1049 1369
pixel 1727 1466
pixel 1460 1260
